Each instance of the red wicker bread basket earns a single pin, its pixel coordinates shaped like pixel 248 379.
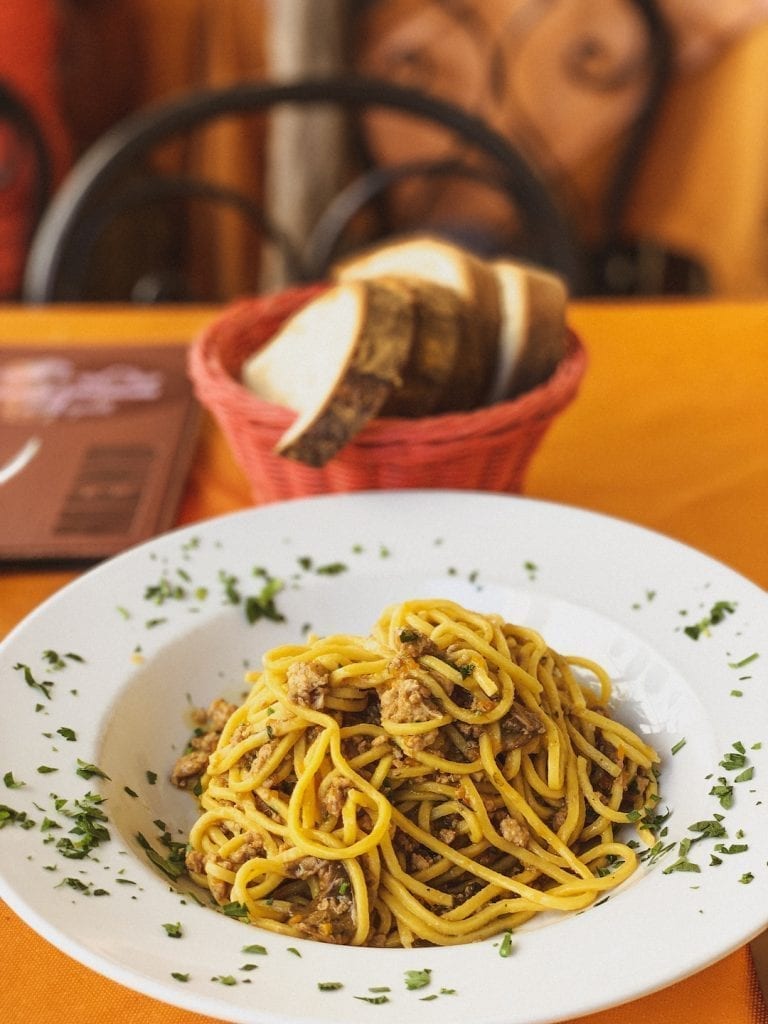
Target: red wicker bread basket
pixel 484 449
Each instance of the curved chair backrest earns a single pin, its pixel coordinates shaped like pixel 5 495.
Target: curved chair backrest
pixel 105 182
pixel 25 184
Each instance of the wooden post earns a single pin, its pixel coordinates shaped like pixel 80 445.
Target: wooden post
pixel 305 155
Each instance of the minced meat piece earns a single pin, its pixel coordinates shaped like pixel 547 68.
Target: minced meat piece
pixel 335 795
pixel 259 758
pixel 307 681
pixel 207 742
pixel 189 768
pixel 407 700
pixel 192 764
pixel 514 831
pixel 330 915
pixel 416 645
pixel 422 741
pixel 195 862
pixel 252 847
pixel 518 726
pixel 219 713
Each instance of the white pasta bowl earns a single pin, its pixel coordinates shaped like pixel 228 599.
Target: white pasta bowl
pixel 147 636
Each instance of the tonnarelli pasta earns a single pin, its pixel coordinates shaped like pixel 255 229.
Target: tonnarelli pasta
pixel 441 781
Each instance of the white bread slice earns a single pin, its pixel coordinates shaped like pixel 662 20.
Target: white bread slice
pixel 431 378
pixel 433 260
pixel 533 330
pixel 335 362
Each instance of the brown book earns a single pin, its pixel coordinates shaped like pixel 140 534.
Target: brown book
pixel 95 446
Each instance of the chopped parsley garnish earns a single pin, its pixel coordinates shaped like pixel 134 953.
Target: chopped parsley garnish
pixel 230 583
pixel 164 590
pixel 717 613
pixel 90 825
pixel 262 605
pixel 505 947
pixel 710 829
pixel 238 910
pixel 68 734
pixel 12 783
pixel 58 661
pixel 178 976
pixel 650 819
pixel 10 816
pixel 85 888
pixel 172 865
pixel 655 852
pixel 173 931
pixel 418 979
pixel 744 661
pixel 329 986
pixel 256 606
pixel 87 771
pixel 331 569
pixel 43 686
pixel 733 761
pixel 678 746
pixel 724 793
pixel 258 950
pixel 374 1000
pixel 54 659
pixel 683 863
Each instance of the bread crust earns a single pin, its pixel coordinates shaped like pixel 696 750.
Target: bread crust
pixel 429 262
pixel 377 353
pixel 538 321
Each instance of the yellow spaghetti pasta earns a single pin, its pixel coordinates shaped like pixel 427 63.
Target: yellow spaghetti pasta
pixel 442 780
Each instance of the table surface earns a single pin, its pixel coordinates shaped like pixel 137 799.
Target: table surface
pixel 670 430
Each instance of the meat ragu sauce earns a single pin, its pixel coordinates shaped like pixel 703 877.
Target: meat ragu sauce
pixel 442 780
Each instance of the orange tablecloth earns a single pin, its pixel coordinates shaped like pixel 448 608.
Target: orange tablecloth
pixel 670 430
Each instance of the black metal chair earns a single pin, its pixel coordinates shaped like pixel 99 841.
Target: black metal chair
pixel 25 166
pixel 617 264
pixel 113 180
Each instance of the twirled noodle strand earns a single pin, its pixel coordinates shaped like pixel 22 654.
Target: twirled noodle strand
pixel 444 779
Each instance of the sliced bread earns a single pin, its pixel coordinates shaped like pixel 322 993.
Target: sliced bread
pixel 431 260
pixel 335 362
pixel 433 379
pixel 533 330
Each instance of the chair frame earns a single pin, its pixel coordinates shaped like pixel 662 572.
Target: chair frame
pixel 56 252
pixel 18 115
